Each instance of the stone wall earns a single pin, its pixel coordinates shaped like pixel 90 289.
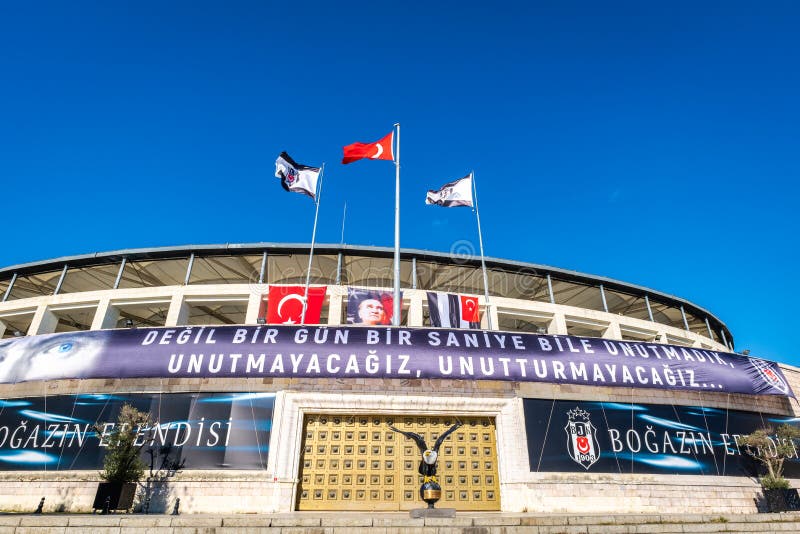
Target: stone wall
pixel 199 491
pixel 521 489
pixel 604 493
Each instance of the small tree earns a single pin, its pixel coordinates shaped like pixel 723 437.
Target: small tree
pixel 122 462
pixel 772 452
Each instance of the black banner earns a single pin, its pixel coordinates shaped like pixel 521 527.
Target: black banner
pixel 203 430
pixel 609 437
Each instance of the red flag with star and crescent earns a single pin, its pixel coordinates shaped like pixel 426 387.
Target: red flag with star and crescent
pixel 285 304
pixel 381 149
pixel 470 312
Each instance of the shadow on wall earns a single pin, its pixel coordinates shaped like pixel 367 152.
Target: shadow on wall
pixel 165 463
pixel 74 499
pixel 153 497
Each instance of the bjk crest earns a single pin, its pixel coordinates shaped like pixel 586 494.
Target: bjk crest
pixel 769 375
pixel 582 442
pixel 291 176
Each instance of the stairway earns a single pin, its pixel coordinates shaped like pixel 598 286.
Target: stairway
pixel 396 523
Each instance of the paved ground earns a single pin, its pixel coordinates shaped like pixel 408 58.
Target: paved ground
pixel 398 523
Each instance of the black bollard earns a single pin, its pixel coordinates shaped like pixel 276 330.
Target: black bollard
pixel 106 506
pixel 175 508
pixel 40 507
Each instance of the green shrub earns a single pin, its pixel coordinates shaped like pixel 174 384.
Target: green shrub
pixel 122 462
pixel 769 482
pixel 772 452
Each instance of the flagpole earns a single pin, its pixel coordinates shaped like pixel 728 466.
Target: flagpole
pixel 313 240
pixel 396 314
pixel 344 218
pixel 483 261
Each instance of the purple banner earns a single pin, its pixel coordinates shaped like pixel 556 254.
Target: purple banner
pixel 361 352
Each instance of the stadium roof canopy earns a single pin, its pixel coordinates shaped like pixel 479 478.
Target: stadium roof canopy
pixel 528 280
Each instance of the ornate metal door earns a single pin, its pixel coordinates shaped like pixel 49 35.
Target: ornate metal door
pixel 358 463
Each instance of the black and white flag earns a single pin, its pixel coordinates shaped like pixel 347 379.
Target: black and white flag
pixel 448 310
pixel 295 177
pixel 450 195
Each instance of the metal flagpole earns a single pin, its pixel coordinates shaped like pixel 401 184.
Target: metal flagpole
pixel 344 218
pixel 313 240
pixel 396 314
pixel 483 261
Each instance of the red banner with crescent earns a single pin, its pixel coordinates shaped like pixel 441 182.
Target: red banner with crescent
pixel 378 150
pixel 470 311
pixel 285 304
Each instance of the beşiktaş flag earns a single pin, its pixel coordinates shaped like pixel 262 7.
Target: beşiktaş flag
pixel 453 311
pixel 453 194
pixel 295 177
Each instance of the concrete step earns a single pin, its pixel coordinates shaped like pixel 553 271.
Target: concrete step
pixel 399 523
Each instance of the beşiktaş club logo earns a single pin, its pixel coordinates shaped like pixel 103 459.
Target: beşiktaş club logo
pixel 291 176
pixel 582 442
pixel 769 376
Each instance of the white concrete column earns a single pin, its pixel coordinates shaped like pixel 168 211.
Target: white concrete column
pixel 489 311
pixel 334 307
pixel 106 316
pixel 284 458
pixel 558 325
pixel 253 307
pixel 282 487
pixel 44 321
pixel 613 331
pixel 414 308
pixel 178 314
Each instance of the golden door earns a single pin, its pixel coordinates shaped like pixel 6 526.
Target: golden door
pixel 359 463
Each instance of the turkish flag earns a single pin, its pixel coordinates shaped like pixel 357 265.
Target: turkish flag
pixel 286 304
pixel 469 309
pixel 379 150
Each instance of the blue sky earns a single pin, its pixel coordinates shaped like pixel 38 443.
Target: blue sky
pixel 652 142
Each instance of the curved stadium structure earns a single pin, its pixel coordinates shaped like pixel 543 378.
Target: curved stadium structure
pixel 575 392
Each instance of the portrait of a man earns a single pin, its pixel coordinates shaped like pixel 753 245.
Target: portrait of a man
pixel 369 307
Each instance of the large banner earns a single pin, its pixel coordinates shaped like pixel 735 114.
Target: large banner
pixel 609 437
pixel 380 352
pixel 199 430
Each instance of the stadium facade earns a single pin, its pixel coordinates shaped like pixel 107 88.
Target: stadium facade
pixel 587 394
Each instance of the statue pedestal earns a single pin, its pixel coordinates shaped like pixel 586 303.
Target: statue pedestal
pixel 432 512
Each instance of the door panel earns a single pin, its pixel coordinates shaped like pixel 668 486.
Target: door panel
pixel 359 463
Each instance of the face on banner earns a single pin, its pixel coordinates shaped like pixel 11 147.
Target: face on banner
pixel 369 307
pixel 46 357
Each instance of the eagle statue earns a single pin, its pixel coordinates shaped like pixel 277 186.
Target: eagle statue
pixel 430 491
